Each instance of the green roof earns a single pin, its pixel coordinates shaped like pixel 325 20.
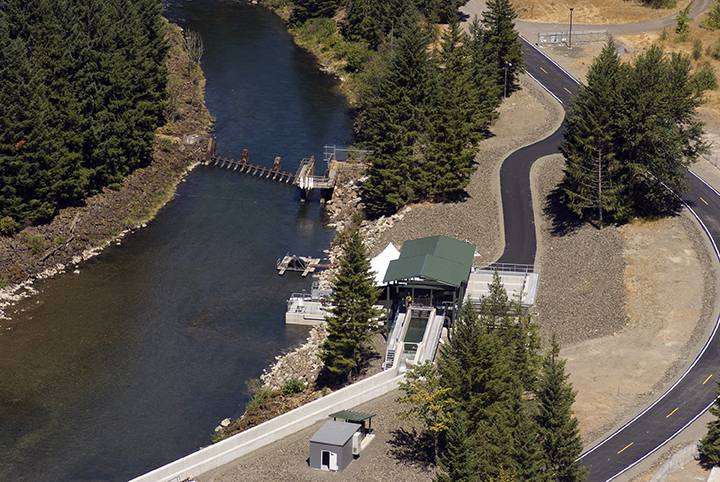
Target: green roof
pixel 351 416
pixel 438 258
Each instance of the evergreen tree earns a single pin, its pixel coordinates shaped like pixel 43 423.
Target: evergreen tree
pixel 502 42
pixel 590 135
pixel 394 115
pixel 528 456
pixel 459 460
pixel 558 428
pixel 517 333
pixel 631 133
pixel 488 79
pixel 455 121
pixel 353 317
pixel 709 445
pixel 476 368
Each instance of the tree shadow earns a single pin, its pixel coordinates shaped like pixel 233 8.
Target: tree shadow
pixel 564 221
pixel 413 448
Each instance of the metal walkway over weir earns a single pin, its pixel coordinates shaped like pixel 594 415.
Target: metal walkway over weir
pixel 337 160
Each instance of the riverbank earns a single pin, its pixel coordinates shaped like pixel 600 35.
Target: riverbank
pixel 79 233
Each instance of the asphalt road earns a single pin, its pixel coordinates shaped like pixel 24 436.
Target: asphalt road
pixel 520 242
pixel 695 391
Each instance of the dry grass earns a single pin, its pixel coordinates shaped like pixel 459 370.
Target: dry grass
pixel 591 11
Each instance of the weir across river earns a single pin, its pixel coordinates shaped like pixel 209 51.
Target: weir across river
pixel 304 178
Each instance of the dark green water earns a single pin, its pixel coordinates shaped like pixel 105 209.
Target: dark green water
pixel 130 364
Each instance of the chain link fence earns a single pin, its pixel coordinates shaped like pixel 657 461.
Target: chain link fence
pixel 563 38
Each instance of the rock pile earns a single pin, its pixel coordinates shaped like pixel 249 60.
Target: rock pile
pixel 303 363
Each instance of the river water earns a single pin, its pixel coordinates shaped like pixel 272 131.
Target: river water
pixel 130 364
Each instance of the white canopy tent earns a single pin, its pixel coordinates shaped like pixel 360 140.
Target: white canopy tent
pixel 379 264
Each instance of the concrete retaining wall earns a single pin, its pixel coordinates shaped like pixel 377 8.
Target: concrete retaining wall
pixel 676 462
pixel 245 442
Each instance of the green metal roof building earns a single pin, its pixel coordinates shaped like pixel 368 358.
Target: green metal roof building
pixel 432 271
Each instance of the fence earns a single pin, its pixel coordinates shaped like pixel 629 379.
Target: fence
pixel 581 37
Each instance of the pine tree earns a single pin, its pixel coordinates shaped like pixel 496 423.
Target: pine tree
pixel 528 457
pixel 459 460
pixel 558 428
pixel 589 139
pixel 456 121
pixel 393 118
pixel 352 318
pixel 709 445
pixel 502 41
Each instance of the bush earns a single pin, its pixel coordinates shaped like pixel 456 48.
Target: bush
pixel 711 21
pixel 8 226
pixel 714 51
pixel 37 244
pixel 704 79
pixel 258 391
pixel 354 53
pixel 294 385
pixel 697 49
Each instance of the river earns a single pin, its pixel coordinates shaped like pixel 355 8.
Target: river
pixel 130 364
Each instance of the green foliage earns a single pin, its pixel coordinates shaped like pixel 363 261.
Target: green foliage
pixel 423 114
pixel 697 49
pixel 630 134
pixel 559 434
pixel 304 10
pixel 714 51
pixel 218 437
pixel 84 84
pixel 294 385
pixel 166 144
pixel 8 226
pixel 711 20
pixel 660 3
pixel 704 79
pixel 683 20
pixel 352 319
pixel 709 445
pixel 60 239
pixel 429 400
pixel 37 244
pixel 459 460
pixel 501 42
pixel 259 393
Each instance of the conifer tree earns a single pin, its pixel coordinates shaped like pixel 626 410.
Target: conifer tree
pixel 458 461
pixel 393 117
pixel 502 41
pixel 455 121
pixel 591 130
pixel 559 434
pixel 709 445
pixel 352 318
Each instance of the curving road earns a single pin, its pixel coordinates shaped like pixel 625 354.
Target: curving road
pixel 694 392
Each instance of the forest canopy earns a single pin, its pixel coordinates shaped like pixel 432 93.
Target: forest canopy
pixel 82 90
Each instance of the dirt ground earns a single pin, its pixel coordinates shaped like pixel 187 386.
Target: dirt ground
pixel 591 11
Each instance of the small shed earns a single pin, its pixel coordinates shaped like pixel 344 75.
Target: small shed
pixel 332 447
pixel 355 417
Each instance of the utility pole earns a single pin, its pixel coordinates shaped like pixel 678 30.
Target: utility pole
pixel 570 39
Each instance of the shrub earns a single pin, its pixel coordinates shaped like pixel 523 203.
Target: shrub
pixel 165 144
pixel 714 51
pixel 711 21
pixel 697 49
pixel 8 226
pixel 60 240
pixel 704 79
pixel 294 385
pixel 37 244
pixel 258 391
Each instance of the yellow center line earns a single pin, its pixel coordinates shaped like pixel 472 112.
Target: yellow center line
pixel 668 415
pixel 704 201
pixel 706 380
pixel 626 447
pixel 543 70
pixel 571 93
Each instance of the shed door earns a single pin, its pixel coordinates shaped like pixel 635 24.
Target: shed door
pixel 325 460
pixel 333 461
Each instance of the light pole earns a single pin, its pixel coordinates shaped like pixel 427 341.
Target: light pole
pixel 570 40
pixel 507 64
